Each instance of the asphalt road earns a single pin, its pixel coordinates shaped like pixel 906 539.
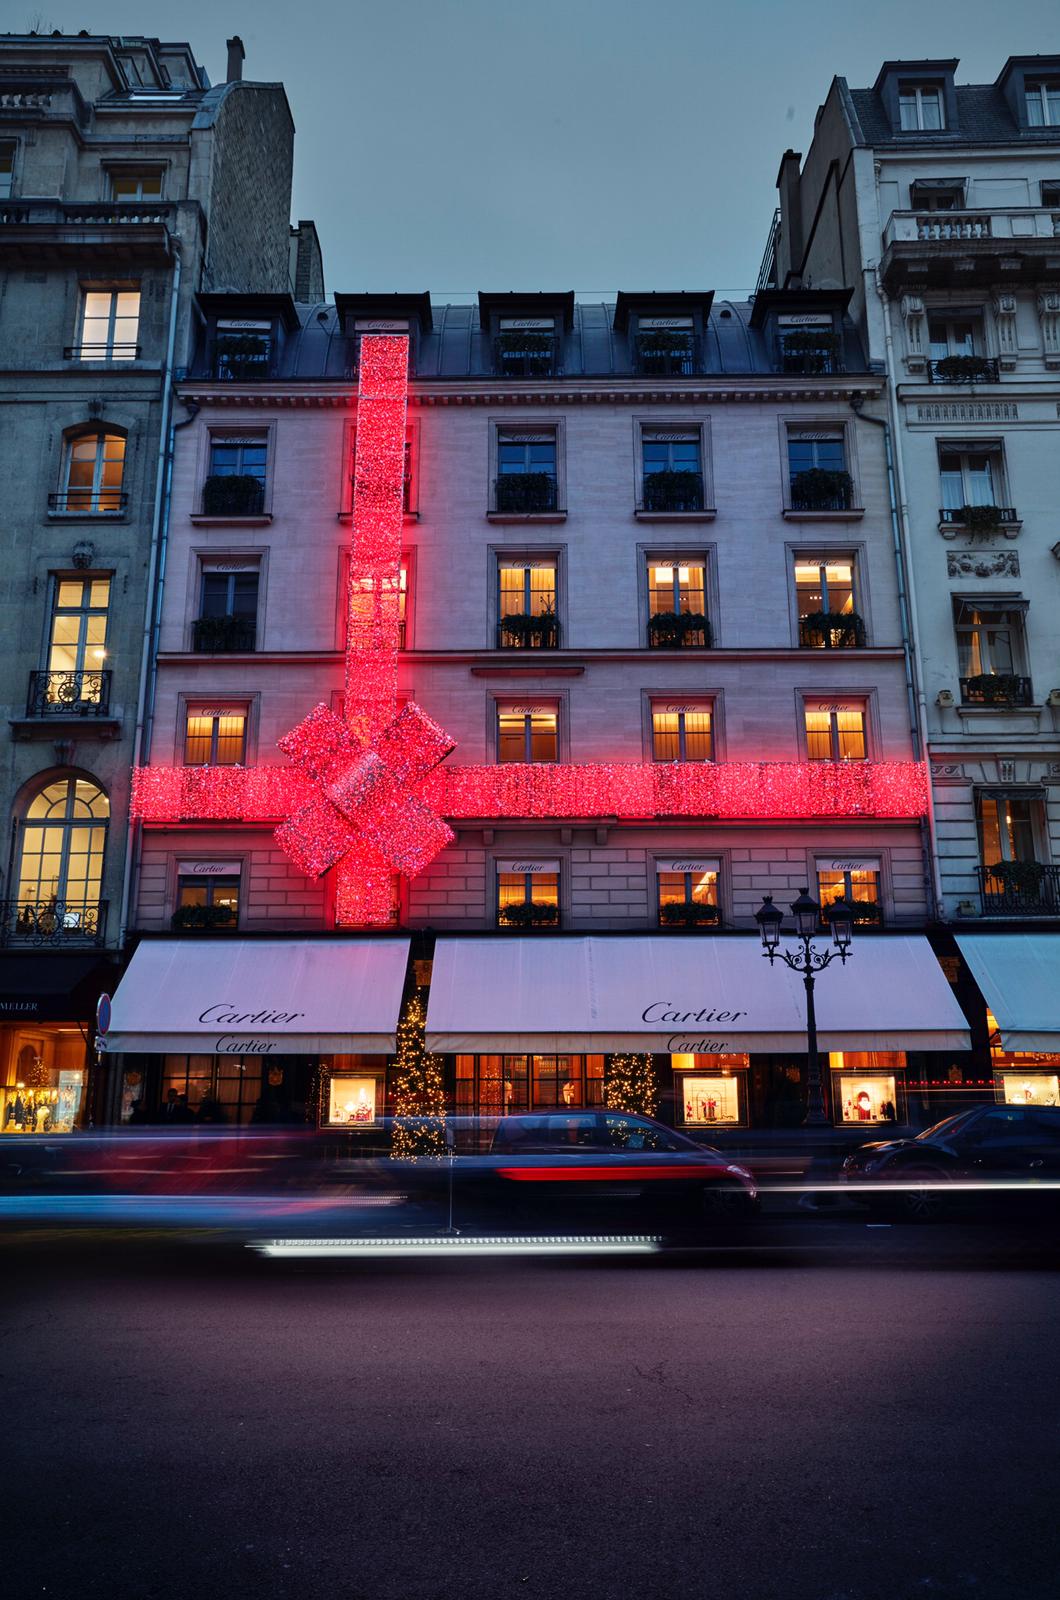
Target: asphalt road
pixel 835 1412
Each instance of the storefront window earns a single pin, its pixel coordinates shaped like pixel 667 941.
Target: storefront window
pixel 710 1091
pixel 42 1098
pixel 1025 1077
pixel 865 1087
pixel 352 1101
pixel 210 1089
pixel 494 1085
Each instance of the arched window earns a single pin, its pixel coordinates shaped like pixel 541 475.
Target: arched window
pixel 93 472
pixel 60 872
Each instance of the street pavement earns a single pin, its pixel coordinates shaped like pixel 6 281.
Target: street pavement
pixel 814 1409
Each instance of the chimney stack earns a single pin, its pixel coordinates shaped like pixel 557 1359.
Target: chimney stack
pixel 236 56
pixel 788 181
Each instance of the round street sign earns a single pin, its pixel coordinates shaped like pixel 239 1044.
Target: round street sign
pixel 103 1013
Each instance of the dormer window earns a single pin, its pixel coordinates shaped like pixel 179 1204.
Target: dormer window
pixel 1043 103
pixel 807 343
pixel 920 107
pixel 242 349
pixel 525 347
pixel 665 347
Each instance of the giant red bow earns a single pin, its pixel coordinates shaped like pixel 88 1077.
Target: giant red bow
pixel 364 793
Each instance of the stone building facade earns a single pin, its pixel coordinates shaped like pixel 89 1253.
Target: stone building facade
pixel 128 184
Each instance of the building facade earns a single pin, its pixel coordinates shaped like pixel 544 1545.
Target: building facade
pixel 127 185
pixel 647 586
pixel 939 202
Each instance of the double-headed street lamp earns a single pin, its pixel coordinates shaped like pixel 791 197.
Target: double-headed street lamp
pixel 807 913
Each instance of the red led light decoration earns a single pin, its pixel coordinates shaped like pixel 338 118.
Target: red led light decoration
pixel 368 796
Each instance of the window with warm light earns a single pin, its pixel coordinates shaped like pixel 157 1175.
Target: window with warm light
pixel 7 167
pixel 709 1091
pixel 110 321
pixel 989 639
pixel 1008 827
pixel 835 732
pixel 866 1085
pixel 527 733
pixel 218 895
pixel 526 603
pixel 854 879
pixel 94 471
pixel 527 893
pixel 215 736
pixel 62 842
pixel 141 183
pixel 970 478
pixel 920 107
pixel 682 731
pixel 687 891
pixel 352 1101
pixel 77 643
pixel 825 598
pixel 677 603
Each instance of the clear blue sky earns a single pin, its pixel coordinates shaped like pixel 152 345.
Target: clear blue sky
pixel 459 145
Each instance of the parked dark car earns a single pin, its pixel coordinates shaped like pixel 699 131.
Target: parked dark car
pixel 604 1167
pixel 961 1159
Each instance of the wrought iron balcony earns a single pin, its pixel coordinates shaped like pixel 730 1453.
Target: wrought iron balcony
pixel 832 630
pixel 69 694
pixel 233 495
pixel 964 369
pixel 528 631
pixel 1002 689
pixel 978 519
pixel 679 630
pixel 809 354
pixel 1020 889
pixel 666 355
pixel 52 922
pixel 88 502
pixel 102 352
pixel 673 491
pixel 528 914
pixel 222 635
pixel 689 914
pixel 526 355
pixel 526 493
pixel 820 489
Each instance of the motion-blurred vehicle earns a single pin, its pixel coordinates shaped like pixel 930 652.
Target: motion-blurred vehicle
pixel 1010 1150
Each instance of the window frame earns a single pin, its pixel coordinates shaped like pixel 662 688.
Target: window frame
pixel 823 555
pixel 8 192
pixel 857 699
pixel 916 88
pixel 678 555
pixel 993 450
pixel 83 613
pixel 791 425
pixel 107 349
pixel 67 823
pixel 1046 88
pixel 817 863
pixel 554 425
pixel 675 705
pixel 659 867
pixel 549 705
pixel 537 865
pixel 1017 607
pixel 187 880
pixel 647 427
pixel 526 555
pixel 96 491
pixel 138 170
pixel 199 706
pixel 1037 819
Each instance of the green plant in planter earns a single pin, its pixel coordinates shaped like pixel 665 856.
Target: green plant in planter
pixel 815 350
pixel 833 630
pixel 232 495
pixel 993 688
pixel 529 630
pixel 224 633
pixel 241 356
pixel 673 491
pixel 1019 877
pixel 821 489
pixel 684 914
pixel 963 369
pixel 673 629
pixel 203 917
pixel 529 914
pixel 980 520
pixel 526 492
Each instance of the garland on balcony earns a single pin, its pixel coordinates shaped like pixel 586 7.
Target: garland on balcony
pixel 631 1084
pixel 419 1088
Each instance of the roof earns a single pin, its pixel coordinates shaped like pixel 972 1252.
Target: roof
pixel 454 345
pixel 983 117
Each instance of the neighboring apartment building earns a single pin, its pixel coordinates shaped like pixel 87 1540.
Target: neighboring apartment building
pixel 127 185
pixel 940 203
pixel 648 587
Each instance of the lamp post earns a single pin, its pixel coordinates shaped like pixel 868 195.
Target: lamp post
pixel 808 961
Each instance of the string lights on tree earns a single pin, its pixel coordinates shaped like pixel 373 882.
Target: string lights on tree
pixel 631 1084
pixel 419 1088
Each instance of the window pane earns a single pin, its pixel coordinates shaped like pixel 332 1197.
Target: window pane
pixel 664 735
pixel 819 735
pixel 231 738
pixel 544 889
pixel 704 887
pixel 512 591
pixel 850 726
pixel 511 889
pixel 542 589
pixel 907 111
pixel 543 736
pixel 511 736
pixel 698 741
pixel 198 740
pixel 839 576
pixel 671 888
pixel 990 830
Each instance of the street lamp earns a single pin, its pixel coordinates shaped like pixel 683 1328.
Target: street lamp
pixel 808 961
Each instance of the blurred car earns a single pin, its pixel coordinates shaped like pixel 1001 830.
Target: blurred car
pixel 609 1167
pixel 961 1158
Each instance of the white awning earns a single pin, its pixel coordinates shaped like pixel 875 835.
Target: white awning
pixel 707 996
pixel 1019 975
pixel 260 996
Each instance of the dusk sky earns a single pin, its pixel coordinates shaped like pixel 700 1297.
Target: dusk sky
pixel 460 145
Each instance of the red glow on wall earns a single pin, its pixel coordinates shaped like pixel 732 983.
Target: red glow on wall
pixel 733 791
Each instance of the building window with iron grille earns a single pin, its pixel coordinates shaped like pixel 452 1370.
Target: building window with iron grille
pixel 818 477
pixel 991 651
pixel 93 474
pixel 682 730
pixel 8 149
pixel 672 470
pixel 77 642
pixel 110 323
pixel 835 730
pixel 526 603
pixel 677 603
pixel 854 879
pixel 527 893
pixel 527 475
pixel 825 597
pixel 228 612
pixel 215 736
pixel 205 900
pixel 527 733
pixel 687 892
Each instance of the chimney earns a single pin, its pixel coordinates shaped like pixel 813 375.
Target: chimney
pixel 788 186
pixel 236 56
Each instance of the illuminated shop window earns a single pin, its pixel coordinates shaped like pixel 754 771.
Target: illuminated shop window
pixel 710 1091
pixel 210 1089
pixel 1023 1077
pixel 352 1100
pixel 215 736
pixel 681 731
pixel 835 732
pixel 494 1085
pixel 854 879
pixel 527 894
pixel 110 321
pixel 527 732
pixel 865 1086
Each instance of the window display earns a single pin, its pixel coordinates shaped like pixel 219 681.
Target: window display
pixel 352 1101
pixel 710 1091
pixel 1027 1088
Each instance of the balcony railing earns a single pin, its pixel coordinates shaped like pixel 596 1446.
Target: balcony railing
pixel 528 631
pixel 689 914
pixel 658 355
pixel 87 214
pixel 964 369
pixel 1020 889
pixel 673 491
pixel 69 694
pixel 810 354
pixel 978 519
pixel 525 493
pixel 1004 689
pixel 88 502
pixel 526 355
pixel 528 914
pixel 222 635
pixel 102 352
pixel 679 630
pixel 52 922
pixel 821 489
pixel 832 630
